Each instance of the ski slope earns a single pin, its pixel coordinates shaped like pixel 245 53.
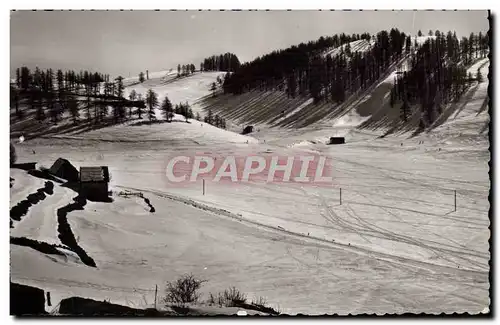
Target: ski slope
pixel 356 46
pixel 179 90
pixel 394 245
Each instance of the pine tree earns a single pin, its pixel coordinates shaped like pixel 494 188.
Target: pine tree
pixel 60 80
pixel 213 88
pixel 472 42
pixel 73 108
pixel 198 117
pixel 116 112
pixel 210 117
pixel 103 110
pixel 178 70
pixel 132 96
pixel 408 44
pixel 152 103
pixel 291 85
pixel 54 109
pixel 14 101
pixel 479 76
pixel 167 109
pixel 119 86
pixel 186 111
pixel 226 85
pixel 404 110
pixel 35 101
pixel 26 78
pixel 18 78
pixel 139 106
pixel 316 79
pixel 419 33
pixel 141 77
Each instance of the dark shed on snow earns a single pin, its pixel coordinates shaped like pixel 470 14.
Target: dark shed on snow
pixel 337 140
pixel 94 183
pixel 64 169
pixel 247 129
pixel 26 300
pixel 78 306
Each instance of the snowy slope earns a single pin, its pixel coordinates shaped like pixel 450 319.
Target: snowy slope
pixel 40 222
pixel 396 234
pixel 178 131
pixel 22 186
pixel 163 75
pixel 468 120
pixel 190 88
pixel 356 46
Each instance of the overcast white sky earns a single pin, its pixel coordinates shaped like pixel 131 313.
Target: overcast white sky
pixel 127 42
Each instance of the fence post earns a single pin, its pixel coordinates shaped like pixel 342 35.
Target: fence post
pixel 455 200
pixel 156 291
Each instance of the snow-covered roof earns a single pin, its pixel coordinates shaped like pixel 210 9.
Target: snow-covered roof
pixel 94 174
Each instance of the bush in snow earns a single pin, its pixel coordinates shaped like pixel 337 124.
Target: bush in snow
pixel 231 297
pixel 183 291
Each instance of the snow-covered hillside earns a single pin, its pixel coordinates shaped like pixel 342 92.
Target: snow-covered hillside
pixel 356 46
pixel 178 131
pixel 183 89
pixel 395 234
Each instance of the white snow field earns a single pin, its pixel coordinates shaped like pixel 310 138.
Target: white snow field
pixel 356 46
pixel 395 244
pixel 184 89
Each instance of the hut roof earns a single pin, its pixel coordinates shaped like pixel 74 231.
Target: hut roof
pixel 60 162
pixel 94 174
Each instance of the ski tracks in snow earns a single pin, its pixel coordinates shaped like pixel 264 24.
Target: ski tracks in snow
pixel 323 243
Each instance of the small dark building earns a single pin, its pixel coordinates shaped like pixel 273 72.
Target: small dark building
pixel 64 169
pixel 247 129
pixel 26 300
pixel 337 140
pixel 94 183
pixel 89 307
